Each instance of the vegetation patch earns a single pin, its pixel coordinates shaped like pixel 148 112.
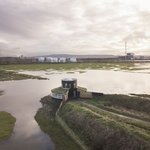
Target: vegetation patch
pixel 46 119
pixel 100 130
pixel 11 75
pixel 123 104
pixel 7 122
pixel 141 95
pixel 81 71
pixel 70 72
pixel 59 90
pixel 75 66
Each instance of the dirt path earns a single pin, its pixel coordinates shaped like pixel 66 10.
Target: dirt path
pixel 123 116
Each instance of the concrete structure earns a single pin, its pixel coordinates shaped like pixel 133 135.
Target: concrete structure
pixel 54 60
pixel 73 59
pixel 130 56
pixel 49 59
pixel 69 89
pixel 62 60
pixel 59 93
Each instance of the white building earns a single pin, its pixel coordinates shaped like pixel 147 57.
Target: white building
pixel 49 59
pixel 62 60
pixel 73 59
pixel 41 59
pixel 54 60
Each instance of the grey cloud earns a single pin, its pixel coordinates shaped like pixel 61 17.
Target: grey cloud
pixel 9 50
pixel 136 37
pixel 49 26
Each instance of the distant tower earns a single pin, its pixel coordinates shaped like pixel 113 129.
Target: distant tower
pixel 125 48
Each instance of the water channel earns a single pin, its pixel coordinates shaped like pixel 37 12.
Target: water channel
pixel 21 99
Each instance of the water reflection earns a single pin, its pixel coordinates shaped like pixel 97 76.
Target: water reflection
pixel 21 99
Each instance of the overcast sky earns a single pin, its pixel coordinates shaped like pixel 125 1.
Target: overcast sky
pixel 42 27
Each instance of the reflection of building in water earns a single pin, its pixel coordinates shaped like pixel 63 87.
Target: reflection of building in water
pixel 69 89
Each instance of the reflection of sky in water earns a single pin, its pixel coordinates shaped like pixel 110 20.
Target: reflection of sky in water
pixel 21 99
pixel 104 81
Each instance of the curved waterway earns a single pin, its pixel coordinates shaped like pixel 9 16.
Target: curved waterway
pixel 21 99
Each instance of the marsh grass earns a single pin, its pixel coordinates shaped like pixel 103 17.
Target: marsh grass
pixel 59 90
pixel 136 107
pixel 130 126
pixel 7 122
pixel 70 66
pixel 96 128
pixel 11 75
pixel 89 123
pixel 70 72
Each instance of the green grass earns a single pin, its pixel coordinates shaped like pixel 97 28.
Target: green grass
pixel 7 123
pixel 51 105
pixel 59 90
pixel 136 107
pixel 72 66
pixel 11 75
pixel 46 119
pixel 70 72
pixel 93 125
pixel 97 129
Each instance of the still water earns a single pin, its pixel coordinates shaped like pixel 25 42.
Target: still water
pixel 21 99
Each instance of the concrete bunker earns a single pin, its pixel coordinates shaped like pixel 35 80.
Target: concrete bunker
pixel 70 90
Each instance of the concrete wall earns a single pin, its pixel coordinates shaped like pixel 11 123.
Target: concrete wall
pixel 86 95
pixel 66 97
pixel 57 96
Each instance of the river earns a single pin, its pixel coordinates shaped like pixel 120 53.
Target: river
pixel 21 99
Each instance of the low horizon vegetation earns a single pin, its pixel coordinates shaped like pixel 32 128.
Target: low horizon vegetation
pixel 75 66
pixel 12 75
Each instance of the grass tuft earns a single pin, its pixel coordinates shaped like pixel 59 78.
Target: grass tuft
pixel 7 122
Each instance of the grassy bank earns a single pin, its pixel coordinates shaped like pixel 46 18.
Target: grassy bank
pixel 136 107
pixel 96 128
pixel 7 123
pixel 100 130
pixel 141 95
pixel 59 90
pixel 46 120
pixel 11 75
pixel 74 66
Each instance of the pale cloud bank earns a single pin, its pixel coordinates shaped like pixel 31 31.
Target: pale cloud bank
pixel 41 27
